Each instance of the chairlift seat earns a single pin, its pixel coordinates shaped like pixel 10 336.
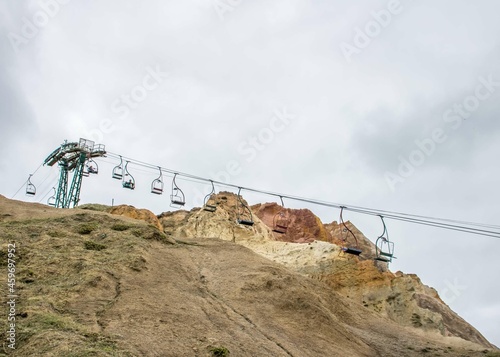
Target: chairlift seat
pixel 157 191
pixel 177 202
pixel 383 259
pixel 210 208
pixel 280 229
pixel 129 185
pixel 353 251
pixel 30 192
pixel 117 176
pixel 386 254
pixel 245 222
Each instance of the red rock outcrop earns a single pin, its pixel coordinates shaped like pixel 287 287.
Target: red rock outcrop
pixel 303 225
pixel 136 213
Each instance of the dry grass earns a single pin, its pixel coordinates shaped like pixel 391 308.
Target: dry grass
pixel 92 284
pixel 59 261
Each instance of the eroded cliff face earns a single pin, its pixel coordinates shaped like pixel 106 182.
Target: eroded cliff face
pixel 314 249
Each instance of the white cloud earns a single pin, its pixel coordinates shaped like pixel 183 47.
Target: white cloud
pixel 227 77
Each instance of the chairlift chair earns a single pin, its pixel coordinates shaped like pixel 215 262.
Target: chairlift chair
pixel 92 167
pixel 30 188
pixel 52 199
pixel 281 220
pixel 157 184
pixel 384 248
pixel 207 206
pixel 348 249
pixel 244 214
pixel 85 171
pixel 118 170
pixel 128 180
pixel 177 198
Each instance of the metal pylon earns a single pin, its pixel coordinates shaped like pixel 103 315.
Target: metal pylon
pixel 76 184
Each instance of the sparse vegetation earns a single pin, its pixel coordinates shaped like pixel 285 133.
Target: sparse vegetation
pixel 219 351
pixel 416 320
pixel 86 228
pixel 120 227
pixel 90 245
pixel 95 207
pixel 56 234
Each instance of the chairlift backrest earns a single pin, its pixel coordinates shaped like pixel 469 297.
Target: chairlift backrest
pixel 52 199
pixel 30 188
pixel 157 184
pixel 206 205
pixel 128 180
pixel 243 212
pixel 348 249
pixel 118 170
pixel 92 167
pixel 177 198
pixel 384 248
pixel 281 220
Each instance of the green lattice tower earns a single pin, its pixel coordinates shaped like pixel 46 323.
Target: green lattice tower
pixel 76 184
pixel 72 157
pixel 62 187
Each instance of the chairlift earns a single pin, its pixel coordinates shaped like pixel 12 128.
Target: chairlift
pixel 177 198
pixel 281 220
pixel 384 248
pixel 157 184
pixel 348 249
pixel 244 214
pixel 118 170
pixel 128 180
pixel 30 188
pixel 85 171
pixel 207 206
pixel 92 167
pixel 52 199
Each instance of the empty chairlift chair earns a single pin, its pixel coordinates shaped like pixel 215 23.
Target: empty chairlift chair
pixel 346 231
pixel 281 220
pixel 384 248
pixel 30 188
pixel 128 180
pixel 52 199
pixel 118 170
pixel 243 212
pixel 208 204
pixel 157 184
pixel 177 198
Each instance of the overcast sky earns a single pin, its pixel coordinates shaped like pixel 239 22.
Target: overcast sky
pixel 385 104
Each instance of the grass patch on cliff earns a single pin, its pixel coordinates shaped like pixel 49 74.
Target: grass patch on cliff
pixel 86 228
pixel 90 245
pixel 219 351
